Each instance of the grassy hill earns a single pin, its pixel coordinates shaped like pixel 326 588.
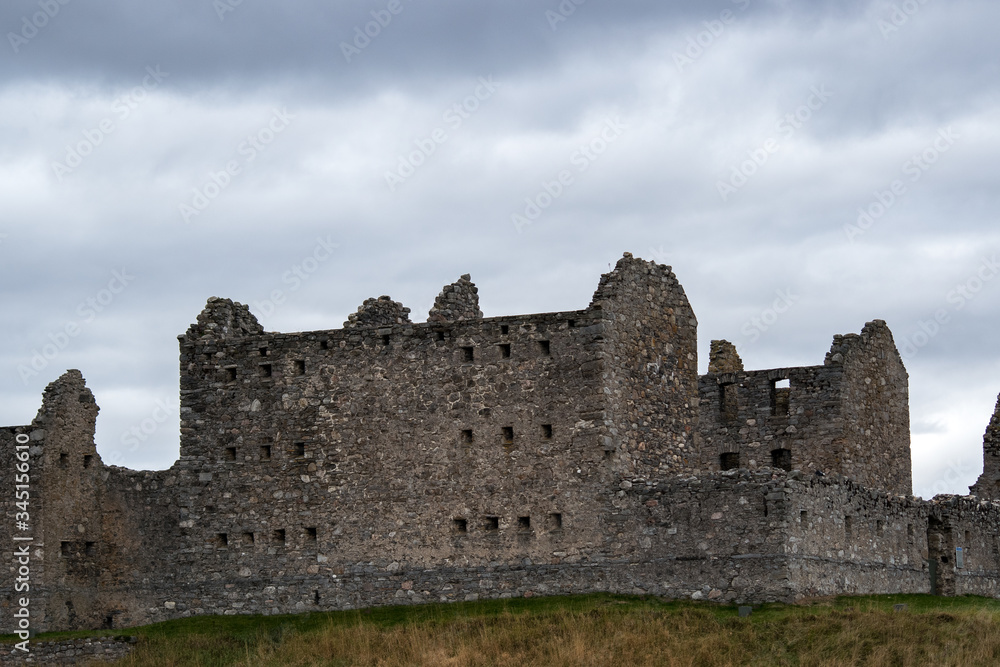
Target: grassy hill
pixel 590 630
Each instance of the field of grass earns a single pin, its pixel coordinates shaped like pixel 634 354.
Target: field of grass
pixel 589 630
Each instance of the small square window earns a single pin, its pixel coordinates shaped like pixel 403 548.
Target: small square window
pixel 324 345
pixel 299 449
pixel 544 348
pixel 504 350
pixel 310 534
pixel 248 539
pixel 460 526
pixel 504 329
pixel 524 524
pixel 554 521
pixel 88 460
pixel 386 339
pixel 300 367
pixel 230 453
pixel 781 458
pixel 804 516
pixel 263 351
pixel 221 540
pixel 491 523
pixel 729 460
pixel 467 436
pixel 65 549
pixel 231 374
pixel 90 548
pixel 439 335
pixel 547 431
pixel 468 353
pixel 63 460
pixel 264 370
pixel 265 452
pixel 507 433
pixel 279 536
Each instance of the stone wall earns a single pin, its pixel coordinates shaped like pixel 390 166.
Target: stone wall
pixel 847 539
pixel 972 525
pixel 874 406
pixel 470 457
pixel 648 368
pixel 69 651
pixel 746 415
pixel 848 416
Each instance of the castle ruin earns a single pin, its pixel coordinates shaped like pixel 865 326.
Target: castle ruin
pixel 466 457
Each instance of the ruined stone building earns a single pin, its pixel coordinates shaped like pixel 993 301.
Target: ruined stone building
pixel 468 457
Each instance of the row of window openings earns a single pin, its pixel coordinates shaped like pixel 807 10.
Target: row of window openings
pixel 438 335
pixel 506 434
pixel 553 521
pixel 278 536
pixel 879 525
pixel 267 370
pixel 729 403
pixel 299 365
pixel 88 460
pixel 298 449
pixel 780 458
pixel 543 347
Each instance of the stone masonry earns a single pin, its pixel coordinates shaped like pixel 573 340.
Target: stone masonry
pixel 467 457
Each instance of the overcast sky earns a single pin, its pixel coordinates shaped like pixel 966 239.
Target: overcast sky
pixel 804 167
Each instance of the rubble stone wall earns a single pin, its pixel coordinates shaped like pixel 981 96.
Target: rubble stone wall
pixel 467 457
pixel 849 416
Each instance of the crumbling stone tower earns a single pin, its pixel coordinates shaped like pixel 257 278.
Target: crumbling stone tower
pixel 849 416
pixel 988 484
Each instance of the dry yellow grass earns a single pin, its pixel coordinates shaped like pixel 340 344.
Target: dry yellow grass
pixel 593 630
pixel 676 639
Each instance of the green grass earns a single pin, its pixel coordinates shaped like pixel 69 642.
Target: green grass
pixel 588 630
